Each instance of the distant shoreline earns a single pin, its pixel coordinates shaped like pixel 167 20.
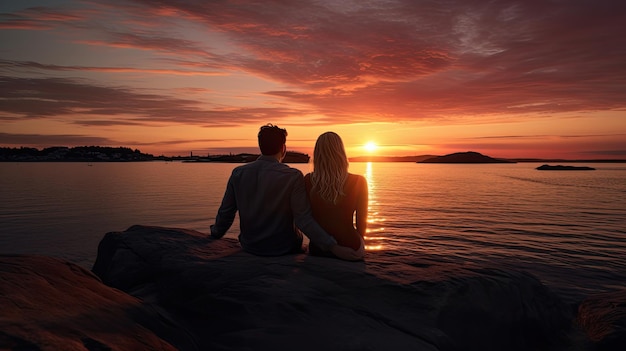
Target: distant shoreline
pixel 188 159
pixel 512 160
pixel 122 154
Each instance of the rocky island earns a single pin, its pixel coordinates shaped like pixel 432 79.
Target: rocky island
pixel 464 157
pixel 156 288
pixel 564 168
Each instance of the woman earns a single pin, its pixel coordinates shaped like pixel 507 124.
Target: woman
pixel 336 195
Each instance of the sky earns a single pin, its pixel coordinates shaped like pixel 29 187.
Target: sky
pixel 535 78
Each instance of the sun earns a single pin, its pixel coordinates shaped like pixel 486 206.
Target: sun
pixel 370 146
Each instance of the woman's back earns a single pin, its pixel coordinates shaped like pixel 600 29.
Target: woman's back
pixel 338 218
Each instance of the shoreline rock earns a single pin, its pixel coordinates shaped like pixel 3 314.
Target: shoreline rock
pixel 51 304
pixel 603 318
pixel 230 300
pixel 176 289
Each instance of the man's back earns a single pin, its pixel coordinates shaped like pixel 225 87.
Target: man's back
pixel 269 196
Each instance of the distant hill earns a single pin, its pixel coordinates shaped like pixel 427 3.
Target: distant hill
pixel 464 157
pixel 390 158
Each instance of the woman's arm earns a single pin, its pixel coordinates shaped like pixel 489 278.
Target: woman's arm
pixel 361 207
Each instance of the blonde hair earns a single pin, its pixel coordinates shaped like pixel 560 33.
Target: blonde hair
pixel 330 167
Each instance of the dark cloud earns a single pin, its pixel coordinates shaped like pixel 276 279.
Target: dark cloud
pixel 151 41
pixel 36 18
pixel 41 97
pixel 34 98
pixel 7 65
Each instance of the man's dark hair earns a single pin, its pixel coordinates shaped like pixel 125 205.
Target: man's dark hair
pixel 271 139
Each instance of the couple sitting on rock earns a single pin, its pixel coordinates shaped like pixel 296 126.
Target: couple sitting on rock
pixel 276 203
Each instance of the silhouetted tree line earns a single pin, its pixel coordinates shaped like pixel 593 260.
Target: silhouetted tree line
pixel 78 153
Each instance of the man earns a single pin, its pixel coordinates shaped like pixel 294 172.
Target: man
pixel 271 199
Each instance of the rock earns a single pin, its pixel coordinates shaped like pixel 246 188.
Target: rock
pixel 564 168
pixel 226 299
pixel 50 304
pixel 603 318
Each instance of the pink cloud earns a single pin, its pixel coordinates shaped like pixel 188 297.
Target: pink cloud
pixel 411 60
pixel 367 61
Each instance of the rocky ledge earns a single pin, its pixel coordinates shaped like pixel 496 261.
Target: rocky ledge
pixel 160 288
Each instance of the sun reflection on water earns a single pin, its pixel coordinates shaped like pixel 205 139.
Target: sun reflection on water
pixel 375 222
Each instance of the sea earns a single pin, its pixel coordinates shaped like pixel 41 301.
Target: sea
pixel 568 228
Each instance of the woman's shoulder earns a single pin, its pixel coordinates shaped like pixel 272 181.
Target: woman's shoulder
pixel 356 178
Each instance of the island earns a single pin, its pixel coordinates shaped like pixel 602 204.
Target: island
pixel 464 157
pixel 564 168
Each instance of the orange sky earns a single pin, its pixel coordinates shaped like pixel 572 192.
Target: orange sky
pixel 504 78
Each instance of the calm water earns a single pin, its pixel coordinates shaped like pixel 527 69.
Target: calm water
pixel 567 228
